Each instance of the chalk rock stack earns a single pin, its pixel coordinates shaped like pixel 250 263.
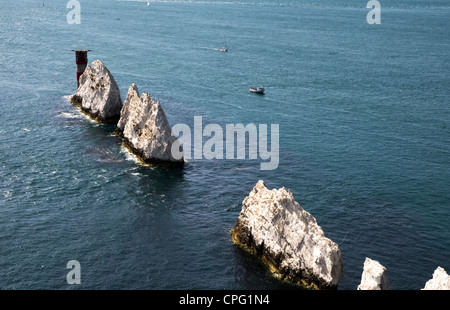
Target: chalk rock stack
pixel 440 280
pixel 374 276
pixel 146 131
pixel 273 226
pixel 98 94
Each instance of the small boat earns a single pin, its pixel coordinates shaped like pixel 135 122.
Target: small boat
pixel 148 3
pixel 224 48
pixel 257 90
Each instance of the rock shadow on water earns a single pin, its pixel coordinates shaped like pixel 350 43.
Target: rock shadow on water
pixel 155 189
pixel 103 154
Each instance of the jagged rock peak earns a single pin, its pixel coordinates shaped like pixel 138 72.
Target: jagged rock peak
pixel 146 130
pixel 374 276
pixel 98 94
pixel 440 280
pixel 273 226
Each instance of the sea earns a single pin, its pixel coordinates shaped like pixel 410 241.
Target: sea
pixel 363 111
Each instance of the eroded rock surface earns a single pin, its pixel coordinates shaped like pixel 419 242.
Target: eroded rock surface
pixel 287 238
pixel 146 131
pixel 98 94
pixel 374 276
pixel 440 280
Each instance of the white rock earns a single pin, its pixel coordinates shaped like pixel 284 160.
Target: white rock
pixel 98 94
pixel 277 229
pixel 146 130
pixel 440 280
pixel 374 276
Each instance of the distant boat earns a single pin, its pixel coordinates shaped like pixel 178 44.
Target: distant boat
pixel 224 48
pixel 257 90
pixel 148 3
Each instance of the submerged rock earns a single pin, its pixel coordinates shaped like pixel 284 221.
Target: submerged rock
pixel 287 238
pixel 146 131
pixel 98 94
pixel 374 276
pixel 440 280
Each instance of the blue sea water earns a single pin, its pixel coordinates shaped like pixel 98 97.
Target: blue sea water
pixel 364 135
